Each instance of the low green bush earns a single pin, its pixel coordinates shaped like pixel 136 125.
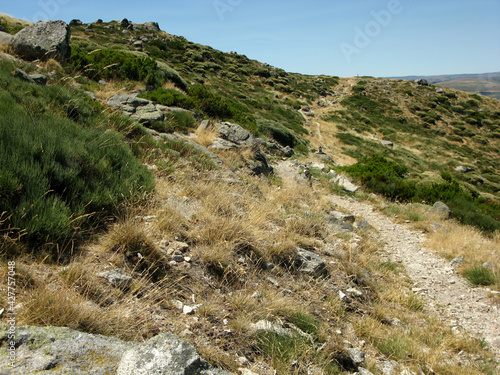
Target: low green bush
pixel 59 171
pixel 390 179
pixel 110 63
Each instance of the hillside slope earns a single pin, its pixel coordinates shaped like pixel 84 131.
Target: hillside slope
pixel 487 84
pixel 244 245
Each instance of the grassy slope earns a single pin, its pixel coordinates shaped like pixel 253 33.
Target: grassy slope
pixel 238 228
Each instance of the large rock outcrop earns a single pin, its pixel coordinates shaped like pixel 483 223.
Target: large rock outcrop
pixel 42 41
pixel 59 350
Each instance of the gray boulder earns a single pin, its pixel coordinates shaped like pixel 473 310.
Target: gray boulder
pixel 464 169
pixel 260 163
pixel 117 278
pixel 150 26
pixel 43 40
pixel 387 144
pixel 235 133
pixel 345 184
pixel 5 38
pixel 346 218
pixel 441 210
pixel 422 82
pixel 310 263
pixel 75 22
pixel 139 109
pixel 31 78
pixel 124 23
pixel 127 103
pixel 60 350
pixel 3 29
pixel 147 114
pixel 39 79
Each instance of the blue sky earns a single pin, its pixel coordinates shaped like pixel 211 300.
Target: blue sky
pixel 334 37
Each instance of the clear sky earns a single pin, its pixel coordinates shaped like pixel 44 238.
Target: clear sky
pixel 334 37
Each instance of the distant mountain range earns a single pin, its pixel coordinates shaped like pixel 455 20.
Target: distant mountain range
pixel 485 84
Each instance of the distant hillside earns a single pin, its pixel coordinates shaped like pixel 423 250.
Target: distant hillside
pixel 485 84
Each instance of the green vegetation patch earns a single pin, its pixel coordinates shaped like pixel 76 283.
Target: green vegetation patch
pixel 390 179
pixel 55 172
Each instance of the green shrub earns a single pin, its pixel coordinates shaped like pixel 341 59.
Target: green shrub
pixel 349 139
pixel 277 132
pixel 212 104
pixel 446 176
pixel 109 64
pixel 169 98
pixel 388 178
pixel 56 173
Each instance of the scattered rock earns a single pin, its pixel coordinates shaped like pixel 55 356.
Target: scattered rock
pixel 310 263
pixel 235 133
pixel 43 40
pixel 363 225
pixel 72 352
pixel 117 278
pixel 356 355
pixel 138 45
pixel 457 261
pixel 75 22
pixel 138 109
pixel 439 90
pixel 440 209
pixel 387 144
pixel 260 164
pixel 150 26
pixel 124 23
pixel 438 227
pixel 99 21
pixel 147 114
pixel 222 144
pixel 346 218
pixel 31 78
pixel 265 325
pixel 189 310
pixel 463 169
pixel 5 38
pixel 345 184
pixel 422 82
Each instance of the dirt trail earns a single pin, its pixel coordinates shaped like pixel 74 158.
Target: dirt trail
pixel 448 295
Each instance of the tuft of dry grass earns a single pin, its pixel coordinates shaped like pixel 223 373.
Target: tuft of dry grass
pixel 206 137
pixel 469 243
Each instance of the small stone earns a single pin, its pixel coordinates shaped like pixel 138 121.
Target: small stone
pixel 178 258
pixel 457 261
pixel 257 295
pixel 177 304
pixel 273 281
pixel 356 355
pixel 187 259
pixel 354 292
pixel 341 295
pixel 188 310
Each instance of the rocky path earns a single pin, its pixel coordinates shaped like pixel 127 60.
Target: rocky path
pixel 447 293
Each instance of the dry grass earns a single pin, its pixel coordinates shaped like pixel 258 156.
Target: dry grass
pixel 468 242
pixel 206 137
